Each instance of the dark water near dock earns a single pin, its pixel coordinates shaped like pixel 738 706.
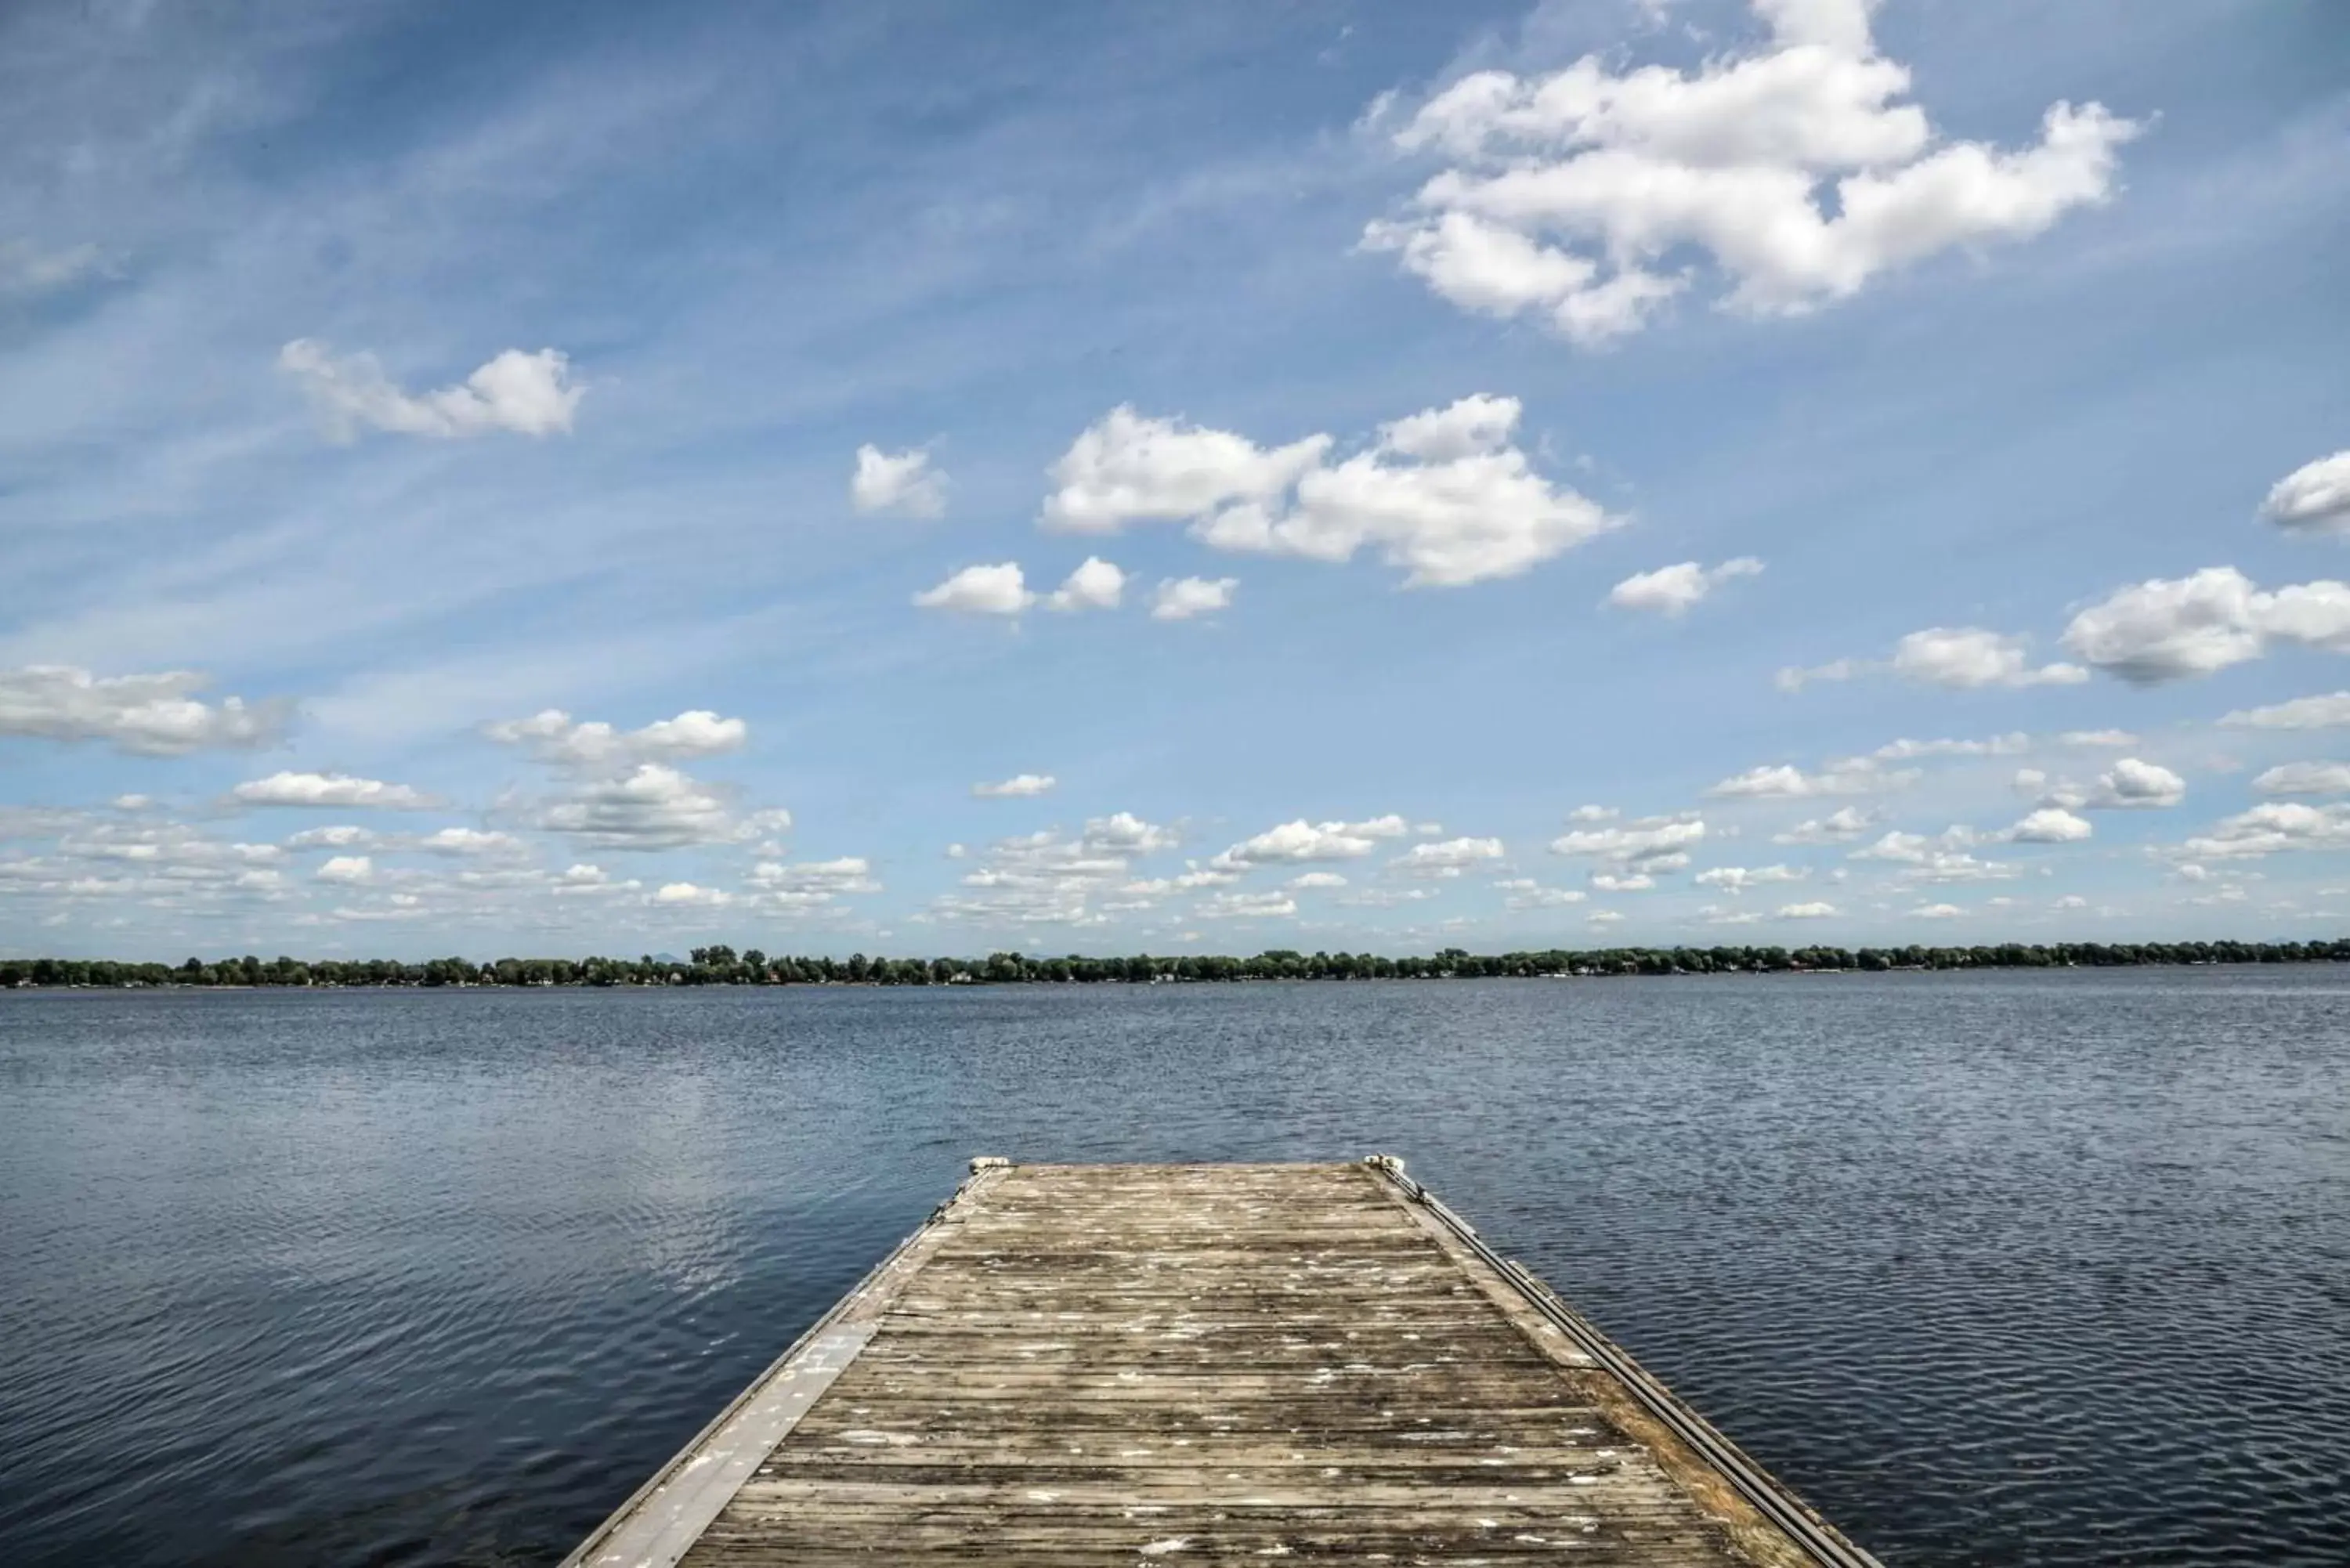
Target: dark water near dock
pixel 1994 1268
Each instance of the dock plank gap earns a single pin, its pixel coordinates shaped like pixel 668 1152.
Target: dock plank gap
pixel 1076 1366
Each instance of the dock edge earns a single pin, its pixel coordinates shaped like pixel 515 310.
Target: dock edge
pixel 665 1540
pixel 1764 1493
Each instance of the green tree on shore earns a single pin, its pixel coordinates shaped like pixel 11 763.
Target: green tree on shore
pixel 720 965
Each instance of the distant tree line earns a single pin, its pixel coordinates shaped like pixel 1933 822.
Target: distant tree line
pixel 724 966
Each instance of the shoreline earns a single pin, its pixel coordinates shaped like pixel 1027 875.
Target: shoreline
pixel 722 966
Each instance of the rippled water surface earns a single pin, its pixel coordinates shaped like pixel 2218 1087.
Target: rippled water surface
pixel 2049 1269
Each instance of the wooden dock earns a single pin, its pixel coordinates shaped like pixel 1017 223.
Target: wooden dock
pixel 1079 1365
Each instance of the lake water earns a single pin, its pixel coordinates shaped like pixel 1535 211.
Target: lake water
pixel 1992 1268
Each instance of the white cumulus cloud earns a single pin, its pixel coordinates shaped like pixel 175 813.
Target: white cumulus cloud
pixel 583 880
pixel 149 715
pixel 998 589
pixel 1444 494
pixel 343 835
pixel 2329 712
pixel 1840 826
pixel 328 789
pixel 1965 658
pixel 528 394
pixel 1019 786
pixel 1813 910
pixel 2051 825
pixel 1448 858
pixel 1131 468
pixel 1523 893
pixel 654 806
pixel 1642 842
pixel 2272 827
pixel 899 481
pixel 1738 879
pixel 1673 590
pixel 2169 628
pixel 1094 585
pixel 2304 778
pixel 1796 168
pixel 1840 776
pixel 552 735
pixel 2315 497
pixel 1244 905
pixel 1002 588
pixel 1183 598
pixel 1935 858
pixel 472 841
pixel 2131 783
pixel 2005 745
pixel 1303 840
pixel 2134 783
pixel 802 885
pixel 692 896
pixel 1048 877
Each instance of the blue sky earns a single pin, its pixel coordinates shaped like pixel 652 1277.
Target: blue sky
pixel 1611 472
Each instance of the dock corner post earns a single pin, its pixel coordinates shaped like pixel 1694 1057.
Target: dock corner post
pixel 1391 1167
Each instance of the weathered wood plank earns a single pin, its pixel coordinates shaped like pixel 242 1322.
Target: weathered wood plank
pixel 1007 1431
pixel 1095 1365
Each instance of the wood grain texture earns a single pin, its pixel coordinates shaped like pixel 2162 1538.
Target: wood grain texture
pixel 1186 1365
